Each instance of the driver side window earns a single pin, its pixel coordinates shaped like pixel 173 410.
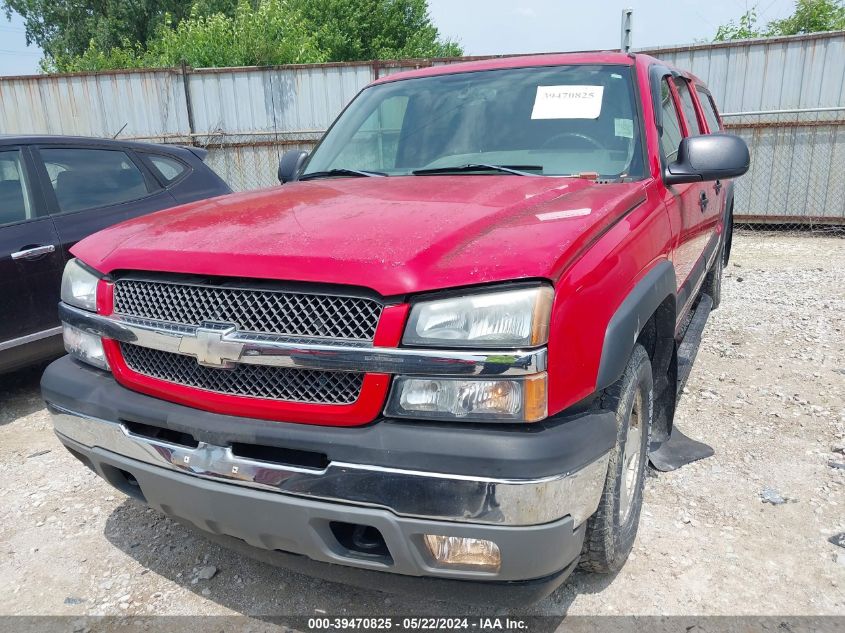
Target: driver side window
pixel 671 137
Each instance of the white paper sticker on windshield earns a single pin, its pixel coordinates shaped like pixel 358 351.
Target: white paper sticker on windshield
pixel 568 102
pixel 624 128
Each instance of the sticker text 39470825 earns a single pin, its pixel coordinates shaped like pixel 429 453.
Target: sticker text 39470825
pixel 568 102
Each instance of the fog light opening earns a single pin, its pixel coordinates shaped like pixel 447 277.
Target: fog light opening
pixel 130 479
pixel 470 553
pixel 361 541
pixel 123 480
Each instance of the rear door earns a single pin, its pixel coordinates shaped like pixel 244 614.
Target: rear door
pixel 31 259
pixel 93 187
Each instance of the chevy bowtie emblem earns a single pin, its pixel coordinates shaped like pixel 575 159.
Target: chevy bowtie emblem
pixel 208 346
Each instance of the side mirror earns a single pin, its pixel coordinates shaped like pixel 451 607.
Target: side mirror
pixel 710 157
pixel 290 165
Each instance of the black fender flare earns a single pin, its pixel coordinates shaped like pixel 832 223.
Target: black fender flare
pixel 627 322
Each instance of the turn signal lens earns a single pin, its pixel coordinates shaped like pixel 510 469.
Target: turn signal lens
pixel 456 551
pixel 536 400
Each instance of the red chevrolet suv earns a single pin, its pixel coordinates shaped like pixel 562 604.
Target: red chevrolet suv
pixel 440 356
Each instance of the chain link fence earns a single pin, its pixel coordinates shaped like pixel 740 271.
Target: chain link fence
pixel 251 161
pixel 797 167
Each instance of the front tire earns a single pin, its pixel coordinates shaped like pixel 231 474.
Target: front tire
pixel 611 531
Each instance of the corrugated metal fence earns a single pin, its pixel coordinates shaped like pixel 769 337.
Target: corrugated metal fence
pixel 784 95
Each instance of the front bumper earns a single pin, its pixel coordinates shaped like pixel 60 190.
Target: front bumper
pixel 536 519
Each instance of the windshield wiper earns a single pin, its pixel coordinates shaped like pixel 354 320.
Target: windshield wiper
pixel 517 170
pixel 341 172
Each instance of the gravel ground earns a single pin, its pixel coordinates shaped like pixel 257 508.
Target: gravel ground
pixel 767 392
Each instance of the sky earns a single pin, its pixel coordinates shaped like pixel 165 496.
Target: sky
pixel 492 27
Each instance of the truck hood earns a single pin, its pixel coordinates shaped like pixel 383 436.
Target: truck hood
pixel 395 235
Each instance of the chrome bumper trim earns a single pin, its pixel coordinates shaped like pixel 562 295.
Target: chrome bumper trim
pixel 255 349
pixel 406 493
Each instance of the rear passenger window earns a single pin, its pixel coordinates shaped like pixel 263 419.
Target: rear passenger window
pixel 169 168
pixel 90 178
pixel 689 108
pixel 672 135
pixel 709 110
pixel 14 200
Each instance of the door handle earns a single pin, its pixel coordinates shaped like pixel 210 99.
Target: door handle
pixel 718 187
pixel 35 251
pixel 703 200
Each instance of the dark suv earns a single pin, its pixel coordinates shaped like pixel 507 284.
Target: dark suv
pixel 55 190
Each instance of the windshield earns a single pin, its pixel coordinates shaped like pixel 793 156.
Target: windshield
pixel 561 120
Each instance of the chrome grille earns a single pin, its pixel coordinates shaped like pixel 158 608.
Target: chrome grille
pixel 257 381
pixel 252 310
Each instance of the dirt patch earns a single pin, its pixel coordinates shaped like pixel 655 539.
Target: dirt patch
pixel 767 392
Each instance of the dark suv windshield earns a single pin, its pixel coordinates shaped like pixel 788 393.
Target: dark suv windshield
pixel 560 120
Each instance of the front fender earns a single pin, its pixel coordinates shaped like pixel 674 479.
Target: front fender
pixel 627 322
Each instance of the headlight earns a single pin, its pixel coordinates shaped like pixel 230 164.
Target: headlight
pixel 471 400
pixel 506 318
pixel 79 286
pixel 84 346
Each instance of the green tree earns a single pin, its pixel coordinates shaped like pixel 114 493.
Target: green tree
pixel 349 30
pixel 227 32
pixel 744 28
pixel 809 16
pixel 67 27
pixel 272 33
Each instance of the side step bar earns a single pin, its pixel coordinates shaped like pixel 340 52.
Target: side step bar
pixel 688 349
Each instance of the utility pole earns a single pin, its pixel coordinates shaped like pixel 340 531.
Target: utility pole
pixel 626 30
